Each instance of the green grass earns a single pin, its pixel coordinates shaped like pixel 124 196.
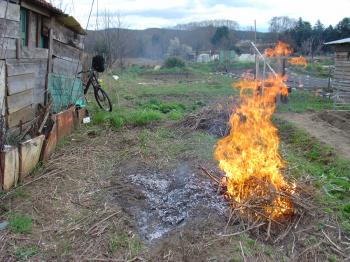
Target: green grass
pixel 122 242
pixel 137 104
pixel 100 117
pixel 20 224
pixel 26 252
pixel 142 117
pixel 332 174
pixel 301 101
pixel 118 242
pixel 19 193
pixel 154 104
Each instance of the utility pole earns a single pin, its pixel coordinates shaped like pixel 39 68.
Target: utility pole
pixel 256 56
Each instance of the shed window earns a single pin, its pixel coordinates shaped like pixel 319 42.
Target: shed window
pixel 24 26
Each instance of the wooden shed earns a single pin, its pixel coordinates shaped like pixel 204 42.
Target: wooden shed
pixel 40 49
pixel 341 77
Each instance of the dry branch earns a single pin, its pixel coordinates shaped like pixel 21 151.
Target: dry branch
pixel 100 222
pixel 242 232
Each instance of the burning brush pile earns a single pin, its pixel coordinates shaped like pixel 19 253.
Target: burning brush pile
pixel 249 156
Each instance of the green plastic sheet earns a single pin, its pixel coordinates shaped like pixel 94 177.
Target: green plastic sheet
pixel 65 91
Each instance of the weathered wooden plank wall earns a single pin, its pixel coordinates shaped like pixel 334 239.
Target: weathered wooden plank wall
pixel 66 36
pixel 65 51
pixel 9 28
pixel 24 115
pixel 7 48
pixel 342 68
pixel 20 83
pixel 12 12
pixel 66 67
pixel 34 53
pixel 19 101
pixel 26 88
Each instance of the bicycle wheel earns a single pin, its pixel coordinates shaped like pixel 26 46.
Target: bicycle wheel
pixel 103 100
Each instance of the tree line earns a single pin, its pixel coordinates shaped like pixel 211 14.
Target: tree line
pixel 306 38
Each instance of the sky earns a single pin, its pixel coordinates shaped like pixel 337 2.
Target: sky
pixel 141 14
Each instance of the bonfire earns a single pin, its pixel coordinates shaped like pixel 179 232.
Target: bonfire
pixel 249 156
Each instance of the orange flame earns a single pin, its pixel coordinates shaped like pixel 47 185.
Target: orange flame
pixel 249 155
pixel 281 49
pixel 298 61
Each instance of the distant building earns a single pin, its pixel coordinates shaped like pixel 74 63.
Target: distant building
pixel 341 77
pixel 203 58
pixel 246 58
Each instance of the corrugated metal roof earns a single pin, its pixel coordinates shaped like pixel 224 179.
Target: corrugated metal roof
pixel 340 41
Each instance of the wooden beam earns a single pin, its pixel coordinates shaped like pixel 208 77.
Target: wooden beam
pixel 2 87
pixel 49 64
pixel 18 48
pixel 36 9
pixel 35 53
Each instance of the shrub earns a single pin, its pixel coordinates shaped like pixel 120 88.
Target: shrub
pixel 174 115
pixel 100 117
pixel 117 121
pixel 173 62
pixel 165 108
pixel 26 252
pixel 141 118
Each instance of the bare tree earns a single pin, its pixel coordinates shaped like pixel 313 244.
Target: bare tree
pixel 113 44
pixel 280 24
pixel 177 49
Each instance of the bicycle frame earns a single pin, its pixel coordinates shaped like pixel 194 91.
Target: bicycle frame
pixel 92 80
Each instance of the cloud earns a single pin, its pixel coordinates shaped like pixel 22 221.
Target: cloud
pixel 140 14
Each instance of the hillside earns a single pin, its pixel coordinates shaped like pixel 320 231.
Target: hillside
pixel 154 42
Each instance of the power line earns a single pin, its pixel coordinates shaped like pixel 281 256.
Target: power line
pixel 96 15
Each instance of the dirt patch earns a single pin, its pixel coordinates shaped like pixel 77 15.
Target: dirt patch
pixel 338 119
pixel 162 202
pixel 212 119
pixel 330 127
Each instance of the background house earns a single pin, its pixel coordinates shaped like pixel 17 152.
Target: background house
pixel 341 78
pixel 41 49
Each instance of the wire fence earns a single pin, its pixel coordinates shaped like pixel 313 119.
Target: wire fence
pixel 65 91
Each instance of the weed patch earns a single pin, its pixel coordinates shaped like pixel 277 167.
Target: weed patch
pixel 122 242
pixel 301 101
pixel 20 224
pixel 142 117
pixel 165 108
pixel 26 252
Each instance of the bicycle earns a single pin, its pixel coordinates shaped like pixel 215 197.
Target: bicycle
pixel 101 96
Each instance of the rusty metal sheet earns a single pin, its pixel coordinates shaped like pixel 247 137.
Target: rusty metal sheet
pixel 65 123
pixel 29 155
pixel 50 142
